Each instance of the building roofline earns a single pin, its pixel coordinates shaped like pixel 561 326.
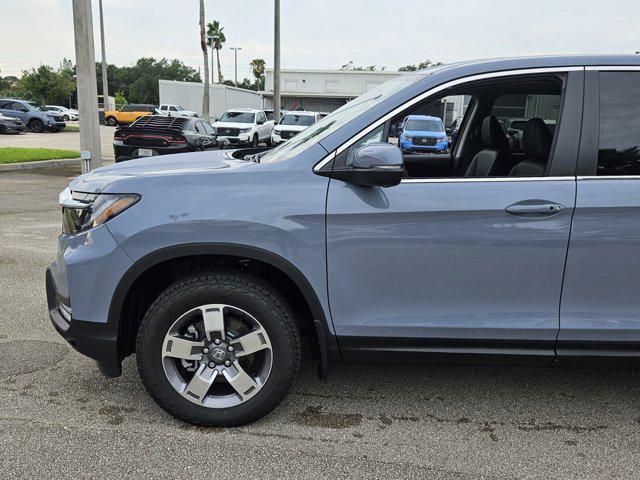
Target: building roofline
pixel 359 72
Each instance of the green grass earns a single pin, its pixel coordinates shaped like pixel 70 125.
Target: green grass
pixel 16 155
pixel 71 128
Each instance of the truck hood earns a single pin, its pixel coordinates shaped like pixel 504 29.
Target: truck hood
pixel 179 164
pixel 232 125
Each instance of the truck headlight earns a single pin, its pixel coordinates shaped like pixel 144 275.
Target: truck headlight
pixel 245 130
pixel 77 218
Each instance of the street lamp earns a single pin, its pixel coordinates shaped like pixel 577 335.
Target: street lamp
pixel 235 53
pixel 212 39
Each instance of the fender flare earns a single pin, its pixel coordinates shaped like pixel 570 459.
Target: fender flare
pixel 328 346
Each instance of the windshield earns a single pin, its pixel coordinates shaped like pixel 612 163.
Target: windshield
pixel 299 120
pixel 340 117
pixel 424 126
pixel 237 117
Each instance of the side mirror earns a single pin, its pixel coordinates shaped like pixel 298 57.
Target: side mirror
pixel 447 130
pixel 374 165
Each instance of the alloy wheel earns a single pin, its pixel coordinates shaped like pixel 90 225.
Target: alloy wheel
pixel 217 356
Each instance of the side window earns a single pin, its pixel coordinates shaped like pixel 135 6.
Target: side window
pixel 127 108
pixel 200 128
pixel 18 107
pixel 173 109
pixel 514 111
pixel 208 128
pixel 619 139
pixel 163 108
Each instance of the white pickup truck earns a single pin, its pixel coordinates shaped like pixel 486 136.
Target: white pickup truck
pixel 175 111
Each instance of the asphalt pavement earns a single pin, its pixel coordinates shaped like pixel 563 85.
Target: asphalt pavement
pixel 59 418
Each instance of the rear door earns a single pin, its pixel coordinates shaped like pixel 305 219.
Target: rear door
pixel 600 312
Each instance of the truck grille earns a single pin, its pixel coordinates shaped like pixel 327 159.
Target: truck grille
pixel 228 132
pixel 426 141
pixel 284 134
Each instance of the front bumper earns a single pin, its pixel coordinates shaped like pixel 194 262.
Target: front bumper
pixel 440 146
pixel 97 341
pixel 81 284
pixel 12 128
pixel 56 125
pixel 241 139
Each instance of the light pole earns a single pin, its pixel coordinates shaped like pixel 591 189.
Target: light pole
pixel 235 53
pixel 212 41
pixel 87 85
pixel 276 62
pixel 105 85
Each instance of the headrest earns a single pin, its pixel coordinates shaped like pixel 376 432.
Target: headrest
pixel 536 140
pixel 493 135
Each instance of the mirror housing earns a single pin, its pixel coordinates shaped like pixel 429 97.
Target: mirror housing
pixel 377 164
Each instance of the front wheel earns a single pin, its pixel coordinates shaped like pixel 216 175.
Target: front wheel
pixel 36 126
pixel 218 349
pixel 111 121
pixel 255 141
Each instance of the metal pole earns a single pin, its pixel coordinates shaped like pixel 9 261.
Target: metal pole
pixel 86 82
pixel 235 51
pixel 276 62
pixel 105 84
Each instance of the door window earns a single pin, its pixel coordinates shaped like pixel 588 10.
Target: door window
pixel 127 108
pixel 200 128
pixel 208 128
pixel 619 138
pixel 173 109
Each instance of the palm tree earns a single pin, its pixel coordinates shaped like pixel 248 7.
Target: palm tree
pixel 257 66
pixel 215 30
pixel 203 46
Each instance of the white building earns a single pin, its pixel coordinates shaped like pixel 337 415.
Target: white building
pixel 321 90
pixel 221 97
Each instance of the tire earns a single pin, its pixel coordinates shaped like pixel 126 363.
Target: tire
pixel 231 290
pixel 111 121
pixel 255 141
pixel 36 125
pixel 66 118
pixel 54 130
pixel 269 142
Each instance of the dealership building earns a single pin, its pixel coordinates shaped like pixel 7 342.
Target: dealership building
pixel 311 90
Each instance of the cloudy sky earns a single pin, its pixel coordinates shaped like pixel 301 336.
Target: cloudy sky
pixel 323 33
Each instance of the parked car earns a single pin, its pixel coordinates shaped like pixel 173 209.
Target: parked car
pixel 67 113
pixel 423 133
pixel 154 135
pixel 244 127
pixel 128 114
pixel 291 124
pixel 35 119
pixel 212 269
pixel 11 124
pixel 175 111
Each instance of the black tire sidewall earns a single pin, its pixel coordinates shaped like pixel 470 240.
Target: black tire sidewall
pixel 255 141
pixel 111 121
pixel 36 125
pixel 162 315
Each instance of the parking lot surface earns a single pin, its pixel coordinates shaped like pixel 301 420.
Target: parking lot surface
pixel 61 140
pixel 59 418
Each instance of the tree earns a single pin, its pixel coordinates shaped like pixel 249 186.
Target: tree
pixel 139 82
pixel 120 99
pixel 351 67
pixel 203 46
pixel 46 85
pixel 215 30
pixel 257 67
pixel 420 66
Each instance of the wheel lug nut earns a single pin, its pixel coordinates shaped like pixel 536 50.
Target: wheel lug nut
pixel 230 348
pixel 227 363
pixel 206 350
pixel 212 365
pixel 217 341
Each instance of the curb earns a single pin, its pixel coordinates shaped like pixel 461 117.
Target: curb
pixel 17 167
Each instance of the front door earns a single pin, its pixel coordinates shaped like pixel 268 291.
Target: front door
pixel 457 265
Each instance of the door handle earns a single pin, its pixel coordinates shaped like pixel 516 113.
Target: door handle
pixel 535 208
